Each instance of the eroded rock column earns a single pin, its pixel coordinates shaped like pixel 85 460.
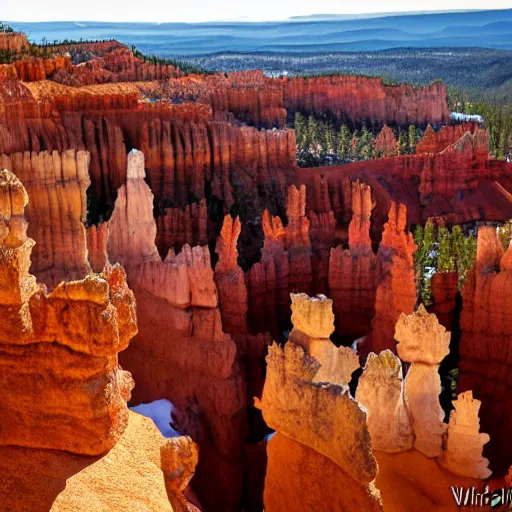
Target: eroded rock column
pixel 423 342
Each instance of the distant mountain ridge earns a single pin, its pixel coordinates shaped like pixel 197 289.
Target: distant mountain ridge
pixel 466 29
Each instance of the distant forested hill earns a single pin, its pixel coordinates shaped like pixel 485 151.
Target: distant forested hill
pixel 483 72
pixel 488 29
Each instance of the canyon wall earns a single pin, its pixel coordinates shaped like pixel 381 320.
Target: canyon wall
pixel 33 69
pixel 75 446
pixel 74 332
pixel 486 340
pixel 437 141
pixel 181 352
pixel 359 99
pixel 13 41
pixel 56 184
pixel 353 276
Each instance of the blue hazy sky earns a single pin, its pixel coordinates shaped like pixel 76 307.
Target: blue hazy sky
pixel 214 10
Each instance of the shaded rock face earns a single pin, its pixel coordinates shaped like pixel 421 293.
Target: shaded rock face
pixel 353 276
pixel 386 143
pixel 396 292
pixel 359 98
pixel 485 342
pixel 181 352
pixel 74 333
pixel 180 226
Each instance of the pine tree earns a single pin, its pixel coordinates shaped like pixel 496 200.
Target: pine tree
pixel 344 143
pixel 329 139
pixel 464 249
pixel 362 144
pixel 445 254
pixel 403 144
pixel 300 131
pixel 412 139
pixel 424 259
pixel 312 134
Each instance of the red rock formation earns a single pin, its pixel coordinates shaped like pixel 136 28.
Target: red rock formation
pixel 322 232
pixel 32 70
pixel 56 184
pixel 360 98
pixel 353 276
pixel 182 226
pixel 181 352
pixel 233 304
pixel 261 107
pixel 444 292
pixel 458 183
pixel 117 65
pixel 435 142
pixel 297 240
pixel 463 164
pixel 97 238
pixel 229 278
pixel 268 282
pixel 386 143
pixel 485 344
pixel 396 292
pixel 284 268
pixel 65 343
pixel 142 471
pixel 81 52
pixel 13 41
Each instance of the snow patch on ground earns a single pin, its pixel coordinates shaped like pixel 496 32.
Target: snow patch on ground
pixel 160 412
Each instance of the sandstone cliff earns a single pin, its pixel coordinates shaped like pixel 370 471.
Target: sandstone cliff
pixel 359 98
pixel 13 41
pixel 386 143
pixel 396 292
pixel 485 342
pixel 353 276
pixel 56 184
pixel 435 142
pixel 181 352
pixel 74 333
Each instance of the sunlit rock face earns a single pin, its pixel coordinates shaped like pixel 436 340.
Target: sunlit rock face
pixel 307 411
pixel 381 391
pixel 358 98
pixel 398 423
pixel 59 355
pixel 464 443
pixel 142 471
pixel 65 343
